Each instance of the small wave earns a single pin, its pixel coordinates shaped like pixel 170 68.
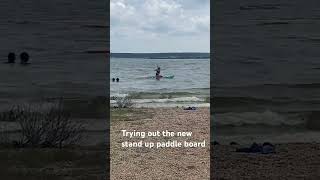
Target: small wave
pixel 303 137
pixel 241 101
pixel 118 95
pixel 267 118
pixel 171 105
pixel 167 100
pixel 158 95
pixel 287 85
pixel 247 101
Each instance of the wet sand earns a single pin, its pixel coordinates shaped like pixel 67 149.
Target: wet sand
pixel 165 163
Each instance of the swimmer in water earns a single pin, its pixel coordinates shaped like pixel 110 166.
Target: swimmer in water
pixel 24 57
pixel 11 58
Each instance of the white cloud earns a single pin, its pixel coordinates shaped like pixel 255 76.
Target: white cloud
pixel 136 23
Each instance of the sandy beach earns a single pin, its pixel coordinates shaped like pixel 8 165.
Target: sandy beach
pixel 291 161
pixel 164 163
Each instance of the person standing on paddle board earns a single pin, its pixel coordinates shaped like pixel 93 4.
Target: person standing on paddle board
pixel 158 76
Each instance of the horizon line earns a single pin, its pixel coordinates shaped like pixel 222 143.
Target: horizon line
pixel 154 52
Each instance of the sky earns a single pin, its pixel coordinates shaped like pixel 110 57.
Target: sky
pixel 149 26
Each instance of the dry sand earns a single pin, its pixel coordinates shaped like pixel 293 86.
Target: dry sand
pixel 291 161
pixel 165 163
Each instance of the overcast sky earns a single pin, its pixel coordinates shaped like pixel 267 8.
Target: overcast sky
pixel 160 26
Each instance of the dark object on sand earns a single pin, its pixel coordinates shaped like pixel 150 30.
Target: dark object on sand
pixel 190 108
pixel 11 57
pixel 266 143
pixel 113 79
pixel 216 143
pixel 266 148
pixel 117 79
pixel 233 143
pixel 254 148
pixel 24 58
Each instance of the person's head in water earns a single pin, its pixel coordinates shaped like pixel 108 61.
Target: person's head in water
pixel 117 79
pixel 24 57
pixel 11 57
pixel 113 79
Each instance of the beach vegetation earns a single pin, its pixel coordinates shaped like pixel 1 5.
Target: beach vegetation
pixel 9 116
pixel 4 136
pixel 44 126
pixel 124 102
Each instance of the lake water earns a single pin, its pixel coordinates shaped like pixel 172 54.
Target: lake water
pixel 266 72
pixel 57 40
pixel 189 87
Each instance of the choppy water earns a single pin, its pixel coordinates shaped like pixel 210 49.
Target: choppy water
pixel 57 40
pixel 190 85
pixel 261 102
pixel 266 71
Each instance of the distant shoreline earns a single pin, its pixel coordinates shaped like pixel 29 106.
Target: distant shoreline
pixel 180 55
